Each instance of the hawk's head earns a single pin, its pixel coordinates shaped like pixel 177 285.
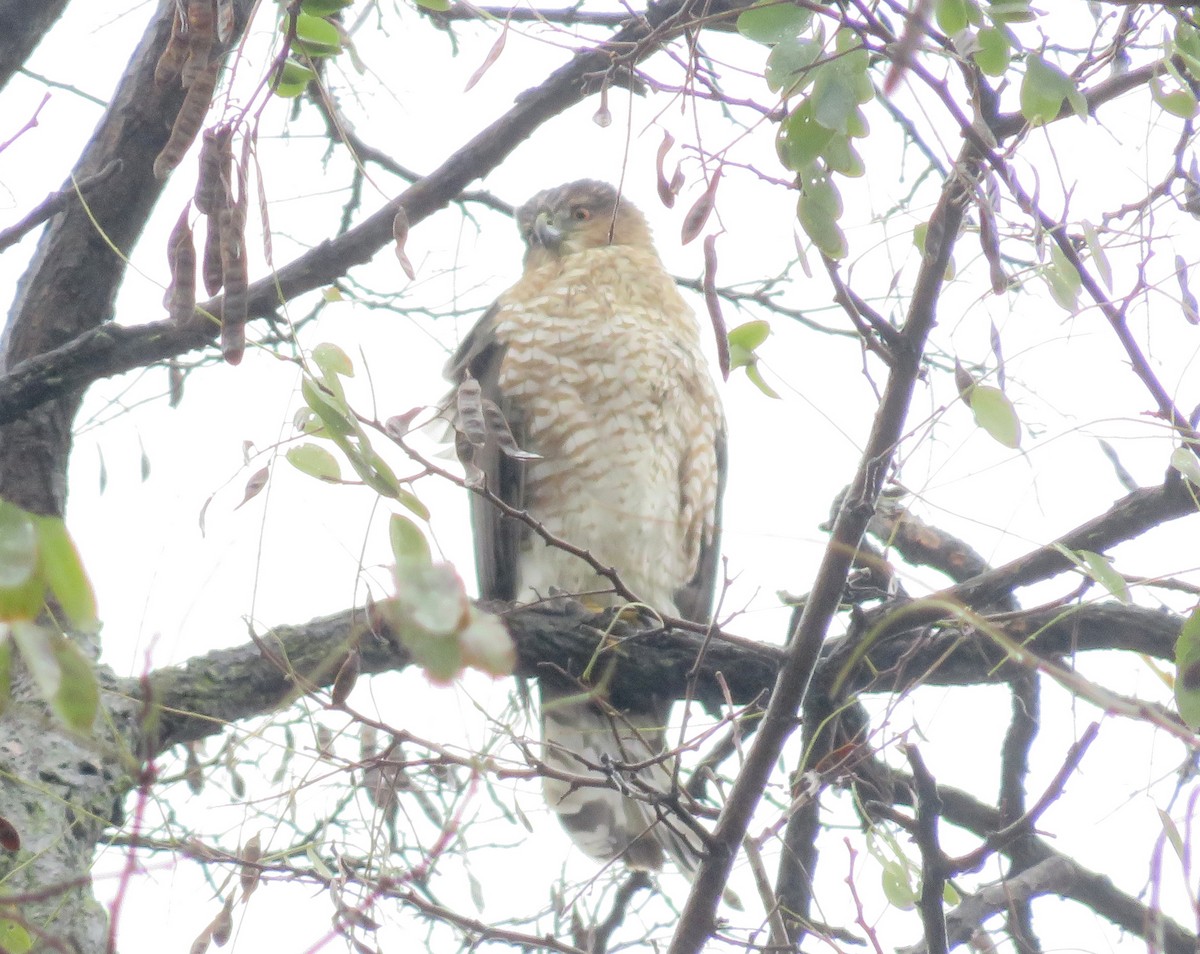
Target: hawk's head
pixel 578 216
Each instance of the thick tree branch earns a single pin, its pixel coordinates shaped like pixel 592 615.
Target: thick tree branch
pixel 1130 517
pixel 697 920
pixel 211 691
pixel 22 26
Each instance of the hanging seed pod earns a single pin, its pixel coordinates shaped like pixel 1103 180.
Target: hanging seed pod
pixel 170 63
pixel 211 269
pixel 200 36
pixel 181 256
pixel 215 160
pixel 235 272
pixel 188 121
pixel 225 20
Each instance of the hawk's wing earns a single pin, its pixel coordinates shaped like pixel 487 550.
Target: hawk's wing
pixel 498 538
pixel 695 600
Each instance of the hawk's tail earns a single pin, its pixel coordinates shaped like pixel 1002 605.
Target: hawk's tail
pixel 610 810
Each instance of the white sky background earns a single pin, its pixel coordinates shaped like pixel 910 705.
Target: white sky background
pixel 168 592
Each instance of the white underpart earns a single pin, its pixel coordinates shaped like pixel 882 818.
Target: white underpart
pixel 618 402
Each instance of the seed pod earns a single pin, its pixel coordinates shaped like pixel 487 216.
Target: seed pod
pixel 200 16
pixel 225 20
pixel 213 277
pixel 235 272
pixel 188 121
pixel 215 159
pixel 170 63
pixel 181 256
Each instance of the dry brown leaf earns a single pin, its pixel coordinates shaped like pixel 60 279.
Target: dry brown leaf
pixel 251 873
pixel 254 486
pixel 347 676
pixel 698 214
pixel 493 55
pixel 665 195
pixel 222 924
pixel 400 234
pixel 712 302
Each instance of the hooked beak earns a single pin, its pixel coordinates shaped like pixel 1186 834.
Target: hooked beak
pixel 544 233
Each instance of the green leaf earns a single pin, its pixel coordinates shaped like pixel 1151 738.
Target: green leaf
pixel 434 597
pixel 412 503
pixel 951 16
pixel 1178 101
pixel 14 938
pixel 1010 11
pixel 801 137
pixel 739 357
pixel 841 156
pixel 316 36
pixel 293 79
pixel 821 226
pixel 381 478
pixel 1187 46
pixel 1098 254
pixel 22 602
pixel 18 546
pixel 332 360
pixel 857 126
pixel 995 413
pixel 78 698
pixel 772 21
pixel 5 669
pixel 323 8
pixel 920 231
pixel 1186 462
pixel 437 6
pixel 1043 90
pixel 1187 671
pixel 897 887
pixel 333 412
pixel 315 461
pixel 756 379
pixel 440 656
pixel 834 97
pixel 485 644
pixel 789 65
pixel 1064 281
pixel 409 546
pixel 750 335
pixel 35 644
pixel 1173 836
pixel 995 51
pixel 62 572
pixel 1100 569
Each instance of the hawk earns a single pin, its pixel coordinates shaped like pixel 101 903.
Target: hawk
pixel 594 359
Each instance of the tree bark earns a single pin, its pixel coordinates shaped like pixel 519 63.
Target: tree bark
pixel 22 26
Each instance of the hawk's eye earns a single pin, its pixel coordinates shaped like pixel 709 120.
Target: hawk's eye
pixel 581 214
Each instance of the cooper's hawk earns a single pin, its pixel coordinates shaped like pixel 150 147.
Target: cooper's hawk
pixel 595 361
